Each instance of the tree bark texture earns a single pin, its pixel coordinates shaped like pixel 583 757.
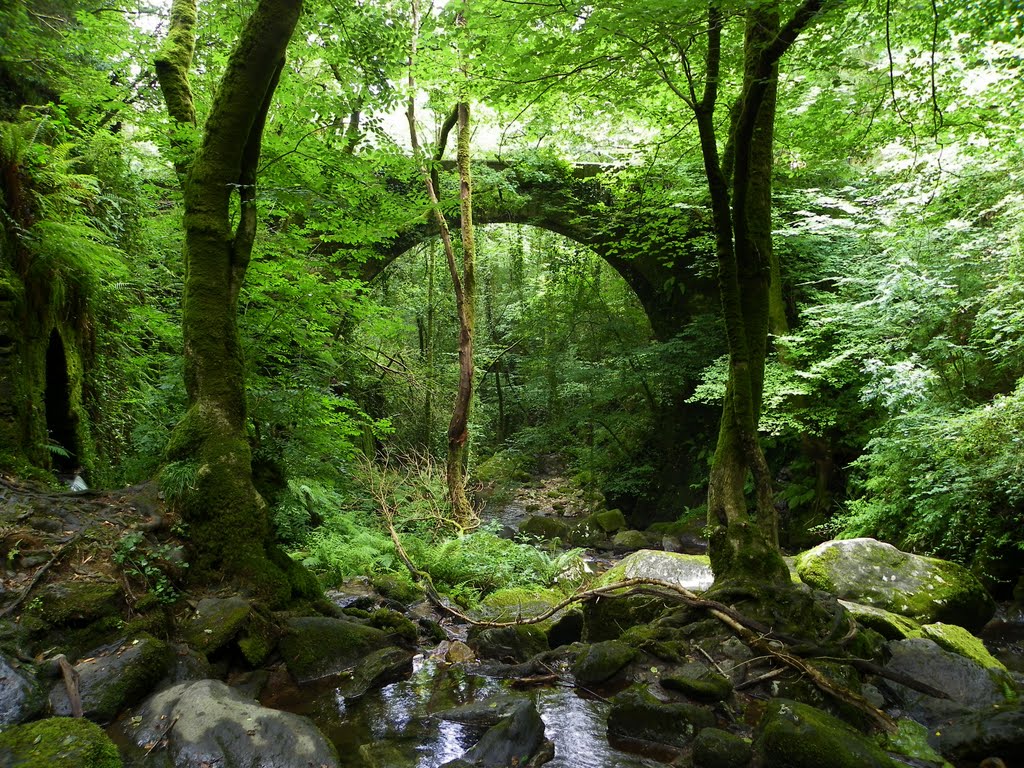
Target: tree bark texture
pixel 227 518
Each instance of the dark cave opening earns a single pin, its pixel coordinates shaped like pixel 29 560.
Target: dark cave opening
pixel 60 425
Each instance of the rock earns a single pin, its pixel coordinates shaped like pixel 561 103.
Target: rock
pixel 216 622
pixel 699 682
pixel 512 741
pixel 59 742
pixel 516 644
pixel 397 587
pixel 960 641
pixel 889 625
pixel 459 653
pixel 926 589
pixel 715 748
pixel 794 735
pixel 979 735
pixel 636 714
pixel 21 697
pixel 629 540
pixel 601 661
pixel 376 670
pixel 610 520
pixel 315 647
pixel 483 713
pixel 78 601
pixel 691 572
pixel 217 725
pixel 115 676
pixel 969 686
pixel 546 528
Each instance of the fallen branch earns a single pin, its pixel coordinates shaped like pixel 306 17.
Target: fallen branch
pixel 70 675
pixel 39 575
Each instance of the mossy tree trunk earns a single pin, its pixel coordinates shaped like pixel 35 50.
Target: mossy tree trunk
pixel 744 545
pixel 228 520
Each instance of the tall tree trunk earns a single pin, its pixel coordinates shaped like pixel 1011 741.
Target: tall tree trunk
pixel 228 521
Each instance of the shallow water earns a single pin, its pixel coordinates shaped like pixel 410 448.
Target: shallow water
pixel 397 726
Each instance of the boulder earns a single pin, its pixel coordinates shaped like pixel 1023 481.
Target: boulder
pixel 59 742
pixel 78 602
pixel 601 661
pixel 699 682
pixel 547 528
pixel 216 725
pixel 969 685
pixel 926 589
pixel 512 741
pixel 216 622
pixel 377 669
pixel 989 734
pixel 610 520
pixel 485 713
pixel 514 644
pixel 691 572
pixel 21 697
pixel 636 714
pixel 794 735
pixel 316 647
pixel 115 676
pixel 889 625
pixel 715 748
pixel 629 540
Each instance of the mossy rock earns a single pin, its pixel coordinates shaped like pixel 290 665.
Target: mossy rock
pixel 630 540
pixel 715 748
pixel 114 677
pixel 959 640
pixel 889 625
pixel 395 624
pixel 397 587
pixel 911 740
pixel 691 572
pixel 609 617
pixel 610 521
pixel 546 528
pixel 316 647
pixel 388 665
pixel 216 622
pixel 871 572
pixel 804 691
pixel 665 642
pixel 77 602
pixel 517 644
pixel 795 735
pixel 516 602
pixel 636 714
pixel 599 662
pixel 58 742
pixel 698 682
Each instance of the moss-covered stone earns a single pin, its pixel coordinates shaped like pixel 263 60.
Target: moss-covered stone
pixel 698 682
pixel 377 669
pixel 599 662
pixel 795 735
pixel 547 528
pixel 515 644
pixel 665 642
pixel 636 714
pixel 395 624
pixel 630 540
pixel 610 521
pixel 889 625
pixel 911 740
pixel 398 587
pixel 691 572
pixel 715 748
pixel 58 742
pixel 77 602
pixel 216 621
pixel 959 640
pixel 608 617
pixel 926 589
pixel 318 647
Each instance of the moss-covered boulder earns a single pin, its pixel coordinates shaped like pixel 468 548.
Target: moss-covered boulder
pixel 547 528
pixel 114 677
pixel 316 647
pixel 959 640
pixel 699 682
pixel 630 540
pixel 715 748
pixel 59 742
pixel 77 602
pixel 889 625
pixel 216 622
pixel 513 644
pixel 388 665
pixel 601 661
pixel 911 740
pixel 398 587
pixel 610 521
pixel 926 589
pixel 691 572
pixel 795 735
pixel 218 725
pixel 514 740
pixel 637 714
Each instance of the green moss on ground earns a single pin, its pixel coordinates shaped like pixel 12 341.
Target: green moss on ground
pixel 58 742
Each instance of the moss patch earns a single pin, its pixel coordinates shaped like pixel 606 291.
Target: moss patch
pixel 601 661
pixel 58 742
pixel 397 587
pixel 911 740
pixel 959 640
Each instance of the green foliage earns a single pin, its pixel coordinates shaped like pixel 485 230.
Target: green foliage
pixel 140 558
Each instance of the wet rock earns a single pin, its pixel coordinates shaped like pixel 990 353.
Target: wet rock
pixel 987 734
pixel 115 676
pixel 969 686
pixel 794 735
pixel 483 713
pixel 459 653
pixel 376 670
pixel 216 622
pixel 715 748
pixel 512 741
pixel 21 697
pixel 698 682
pixel 960 641
pixel 214 724
pixel 871 572
pixel 517 644
pixel 317 647
pixel 602 661
pixel 59 742
pixel 636 714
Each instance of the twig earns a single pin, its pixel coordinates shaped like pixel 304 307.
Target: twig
pixel 707 656
pixel 160 739
pixel 39 575
pixel 772 673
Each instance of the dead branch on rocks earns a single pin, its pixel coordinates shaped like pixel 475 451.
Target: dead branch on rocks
pixel 39 575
